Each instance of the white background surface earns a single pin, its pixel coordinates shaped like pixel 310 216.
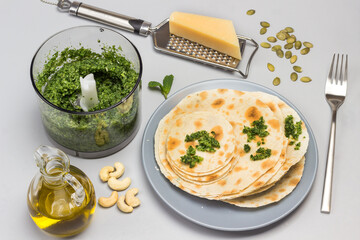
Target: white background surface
pixel 332 26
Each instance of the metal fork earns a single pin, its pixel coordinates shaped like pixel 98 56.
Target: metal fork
pixel 335 92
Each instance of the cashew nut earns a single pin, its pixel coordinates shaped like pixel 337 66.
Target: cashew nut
pixel 119 185
pixel 104 173
pixel 123 206
pixel 130 198
pixel 119 170
pixel 109 201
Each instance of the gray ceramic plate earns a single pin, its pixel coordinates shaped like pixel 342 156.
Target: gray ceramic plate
pixel 216 214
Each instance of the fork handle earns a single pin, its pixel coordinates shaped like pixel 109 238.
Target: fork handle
pixel 326 197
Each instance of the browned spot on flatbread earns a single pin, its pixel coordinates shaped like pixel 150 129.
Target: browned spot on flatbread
pixel 218 103
pixel 238 181
pixel 252 114
pixel 271 106
pixel 167 121
pixel 239 93
pixel 258 183
pixel 219 133
pixel 188 106
pixel 211 177
pixel 178 122
pixel 197 186
pixel 178 111
pixel 182 152
pixel 196 105
pixel 220 162
pixel 274 152
pixel 294 181
pixel 198 124
pixel 173 143
pixel 260 103
pixel 271 170
pixel 274 123
pixel 273 197
pixel 168 167
pixel 222 182
pixel 222 90
pixel 228 155
pixel 282 190
pixel 241 100
pixel 242 152
pixel 234 190
pixel 281 105
pixel 283 152
pixel 239 168
pixel 267 164
pixel 203 95
pixel 221 153
pixel 230 106
pixel 181 187
pixel 256 174
pixel 233 124
pixel 226 147
pixel 165 131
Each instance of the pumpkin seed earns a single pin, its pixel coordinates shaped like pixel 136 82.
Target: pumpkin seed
pixel 280 53
pixel 281 36
pixel 265 24
pixel 276 81
pixel 265 45
pixel 288 46
pixel 289 29
pixel 272 39
pixel 308 45
pixel 305 51
pixel 293 59
pixel 275 48
pixel 298 45
pixel 291 39
pixel 250 12
pixel 305 79
pixel 293 76
pixel 297 69
pixel 288 54
pixel 270 67
pixel 263 31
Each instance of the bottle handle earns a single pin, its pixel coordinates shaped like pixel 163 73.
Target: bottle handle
pixel 79 195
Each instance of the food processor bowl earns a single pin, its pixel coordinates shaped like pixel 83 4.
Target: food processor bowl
pixel 98 133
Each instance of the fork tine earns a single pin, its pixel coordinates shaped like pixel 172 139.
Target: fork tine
pixel 341 77
pixel 335 80
pixel 329 79
pixel 346 71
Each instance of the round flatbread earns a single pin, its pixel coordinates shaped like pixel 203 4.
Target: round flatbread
pixel 240 109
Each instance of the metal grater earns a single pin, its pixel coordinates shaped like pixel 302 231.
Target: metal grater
pixel 163 40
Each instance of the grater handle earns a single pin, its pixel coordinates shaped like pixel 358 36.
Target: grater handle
pixel 113 19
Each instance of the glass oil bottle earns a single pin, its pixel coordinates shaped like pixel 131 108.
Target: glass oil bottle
pixel 61 198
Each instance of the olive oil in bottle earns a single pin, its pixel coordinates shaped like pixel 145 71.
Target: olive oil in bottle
pixel 61 198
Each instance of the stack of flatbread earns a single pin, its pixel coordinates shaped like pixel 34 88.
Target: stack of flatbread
pixel 229 174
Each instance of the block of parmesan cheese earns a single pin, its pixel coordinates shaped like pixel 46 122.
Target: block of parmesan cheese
pixel 215 33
